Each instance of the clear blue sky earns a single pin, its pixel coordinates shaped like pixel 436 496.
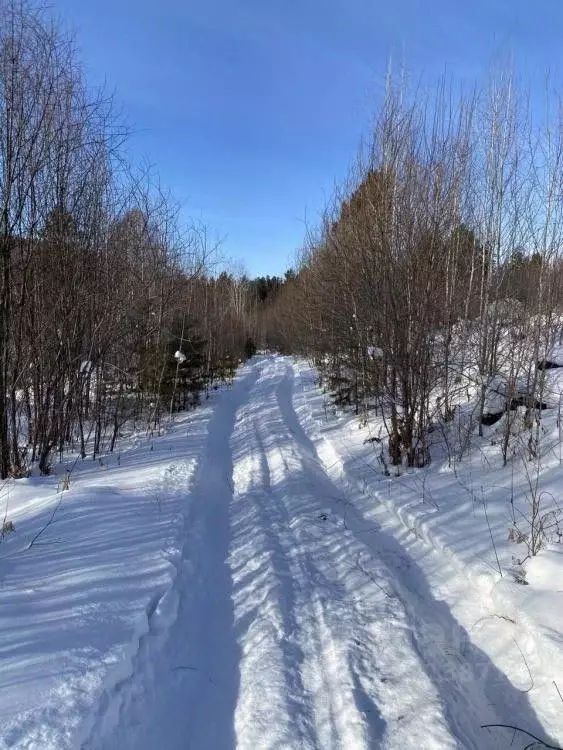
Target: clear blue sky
pixel 252 109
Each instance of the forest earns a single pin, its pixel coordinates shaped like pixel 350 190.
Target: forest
pixel 435 276
pixel 431 282
pixel 314 509
pixel 112 311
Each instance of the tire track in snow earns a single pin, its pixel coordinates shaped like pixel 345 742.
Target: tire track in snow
pixel 266 602
pixel 324 670
pixel 376 675
pixel 359 676
pixel 184 681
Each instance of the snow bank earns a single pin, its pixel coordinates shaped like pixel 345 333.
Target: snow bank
pixel 456 522
pixel 83 576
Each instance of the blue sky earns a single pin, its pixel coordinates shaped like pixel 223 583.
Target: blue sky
pixel 251 110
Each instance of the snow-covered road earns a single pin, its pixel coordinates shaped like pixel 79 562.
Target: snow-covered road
pixel 250 579
pixel 293 621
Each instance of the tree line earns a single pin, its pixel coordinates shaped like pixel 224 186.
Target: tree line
pixel 109 311
pixel 435 276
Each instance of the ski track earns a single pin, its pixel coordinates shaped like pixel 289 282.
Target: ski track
pixel 292 621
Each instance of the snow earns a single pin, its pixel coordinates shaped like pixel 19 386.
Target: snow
pixel 251 579
pixel 495 395
pixel 556 355
pixel 553 388
pixel 375 352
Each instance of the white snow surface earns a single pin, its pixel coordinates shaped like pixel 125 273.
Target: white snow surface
pixel 250 579
pixel 555 355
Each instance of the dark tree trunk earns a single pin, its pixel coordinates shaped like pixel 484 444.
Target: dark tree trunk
pixel 5 259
